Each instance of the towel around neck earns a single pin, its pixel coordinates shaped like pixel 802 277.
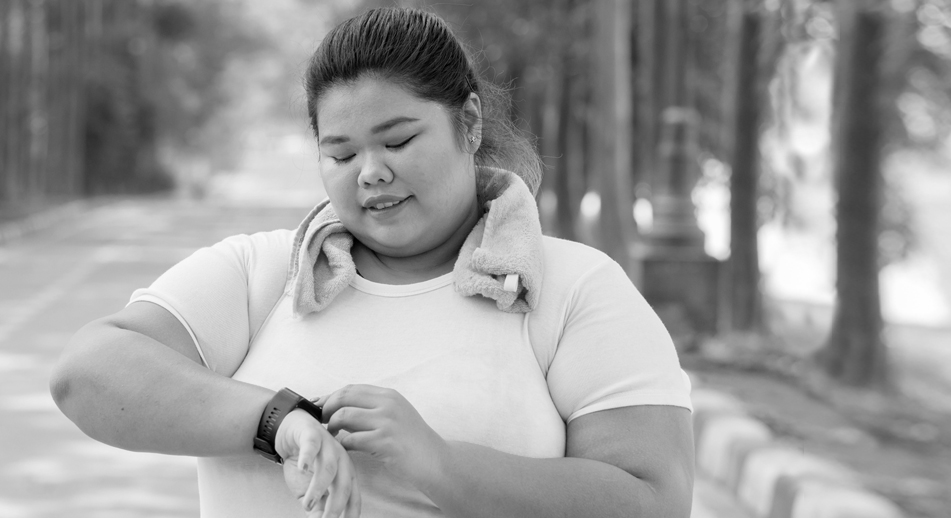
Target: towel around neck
pixel 507 240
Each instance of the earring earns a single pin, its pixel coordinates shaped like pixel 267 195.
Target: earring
pixel 472 139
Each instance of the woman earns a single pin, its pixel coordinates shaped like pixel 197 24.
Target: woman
pixel 465 365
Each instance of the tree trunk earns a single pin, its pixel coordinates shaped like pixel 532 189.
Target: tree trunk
pixel 39 116
pixel 578 140
pixel 651 48
pixel 855 352
pixel 745 297
pixel 56 161
pixel 613 106
pixel 5 101
pixel 74 37
pixel 15 36
pixel 567 194
pixel 563 176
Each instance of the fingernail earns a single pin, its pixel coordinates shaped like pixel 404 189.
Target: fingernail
pixel 310 504
pixel 302 465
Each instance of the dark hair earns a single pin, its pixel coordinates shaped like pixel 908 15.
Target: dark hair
pixel 417 51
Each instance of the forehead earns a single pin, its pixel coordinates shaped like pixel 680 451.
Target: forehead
pixel 356 107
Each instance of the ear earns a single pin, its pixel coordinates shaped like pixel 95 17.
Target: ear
pixel 472 112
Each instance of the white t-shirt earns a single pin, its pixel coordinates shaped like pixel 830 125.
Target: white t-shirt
pixel 509 381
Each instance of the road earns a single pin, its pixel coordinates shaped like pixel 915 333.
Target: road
pixel 54 281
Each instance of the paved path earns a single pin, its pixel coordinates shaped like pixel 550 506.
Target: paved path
pixel 55 280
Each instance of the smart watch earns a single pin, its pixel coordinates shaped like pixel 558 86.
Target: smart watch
pixel 285 401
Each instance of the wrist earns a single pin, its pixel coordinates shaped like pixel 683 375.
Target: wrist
pixel 284 402
pixel 439 477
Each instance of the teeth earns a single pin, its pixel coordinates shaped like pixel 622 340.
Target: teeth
pixel 381 206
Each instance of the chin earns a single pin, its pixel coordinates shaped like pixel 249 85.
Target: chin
pixel 394 246
pixel 399 249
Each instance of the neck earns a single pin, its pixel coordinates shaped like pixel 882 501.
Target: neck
pixel 386 269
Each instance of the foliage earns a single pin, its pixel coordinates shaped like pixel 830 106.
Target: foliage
pixel 158 79
pixel 915 100
pixel 925 100
pixel 196 42
pixel 119 130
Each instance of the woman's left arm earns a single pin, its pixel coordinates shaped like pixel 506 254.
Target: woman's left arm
pixel 630 461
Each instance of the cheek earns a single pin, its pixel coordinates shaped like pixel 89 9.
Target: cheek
pixel 335 183
pixel 451 176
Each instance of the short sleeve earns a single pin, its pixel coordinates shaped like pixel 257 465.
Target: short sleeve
pixel 222 292
pixel 614 351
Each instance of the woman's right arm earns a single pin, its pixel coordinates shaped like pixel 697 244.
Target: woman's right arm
pixel 134 380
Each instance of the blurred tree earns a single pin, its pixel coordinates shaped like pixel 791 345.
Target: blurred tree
pixel 67 50
pixel 44 45
pixel 612 160
pixel 855 352
pixel 756 46
pixel 82 82
pixel 745 297
pixel 650 102
pixel 913 74
pixel 562 134
pixel 119 134
pixel 195 44
pixel 711 71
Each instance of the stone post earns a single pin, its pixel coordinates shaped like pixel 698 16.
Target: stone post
pixel 679 279
pixel 675 228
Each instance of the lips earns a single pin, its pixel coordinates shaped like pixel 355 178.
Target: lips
pixel 383 202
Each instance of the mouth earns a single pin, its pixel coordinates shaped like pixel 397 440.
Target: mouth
pixel 381 207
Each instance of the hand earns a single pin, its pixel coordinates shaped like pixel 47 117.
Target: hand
pixel 317 469
pixel 385 425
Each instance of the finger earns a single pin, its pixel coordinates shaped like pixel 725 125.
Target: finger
pixel 309 448
pixel 355 503
pixel 297 481
pixel 361 396
pixel 352 419
pixel 367 442
pixel 324 473
pixel 318 509
pixel 340 490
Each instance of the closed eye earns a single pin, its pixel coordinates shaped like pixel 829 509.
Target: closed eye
pixel 401 144
pixel 343 160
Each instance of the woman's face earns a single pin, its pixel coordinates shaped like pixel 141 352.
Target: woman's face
pixel 393 169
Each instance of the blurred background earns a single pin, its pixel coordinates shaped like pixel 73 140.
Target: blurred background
pixel 773 175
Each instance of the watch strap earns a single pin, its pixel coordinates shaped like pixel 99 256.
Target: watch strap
pixel 283 403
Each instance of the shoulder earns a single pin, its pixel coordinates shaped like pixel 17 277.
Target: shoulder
pixel 570 250
pixel 274 241
pixel 572 270
pixel 257 263
pixel 270 249
pixel 568 264
pixel 266 257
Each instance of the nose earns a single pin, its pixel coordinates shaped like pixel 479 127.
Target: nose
pixel 374 171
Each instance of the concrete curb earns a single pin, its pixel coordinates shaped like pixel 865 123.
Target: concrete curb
pixel 770 478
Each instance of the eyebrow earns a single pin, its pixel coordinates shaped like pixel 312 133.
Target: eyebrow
pixel 379 128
